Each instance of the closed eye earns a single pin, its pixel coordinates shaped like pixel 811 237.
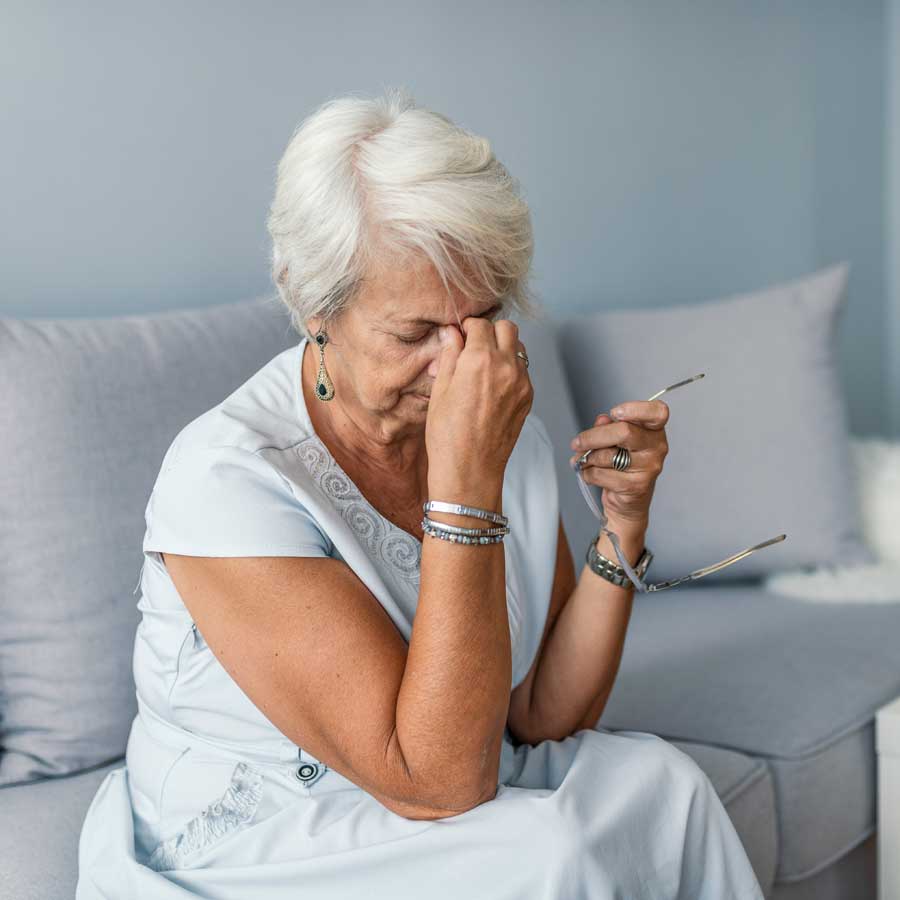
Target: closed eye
pixel 412 340
pixel 491 314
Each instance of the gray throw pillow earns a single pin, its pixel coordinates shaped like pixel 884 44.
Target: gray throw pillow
pixel 758 447
pixel 88 408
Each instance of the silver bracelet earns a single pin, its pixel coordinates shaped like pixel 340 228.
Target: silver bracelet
pixel 436 532
pixel 460 509
pixel 459 529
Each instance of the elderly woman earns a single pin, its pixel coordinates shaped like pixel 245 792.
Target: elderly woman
pixel 338 696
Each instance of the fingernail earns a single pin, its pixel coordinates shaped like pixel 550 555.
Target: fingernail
pixel 617 412
pixel 576 443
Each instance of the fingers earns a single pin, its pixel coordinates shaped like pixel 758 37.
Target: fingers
pixel 629 486
pixel 614 434
pixel 479 330
pixel 502 334
pixel 451 346
pixel 644 437
pixel 506 334
pixel 602 458
pixel 620 482
pixel 650 413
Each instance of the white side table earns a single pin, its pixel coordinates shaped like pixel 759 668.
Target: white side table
pixel 887 744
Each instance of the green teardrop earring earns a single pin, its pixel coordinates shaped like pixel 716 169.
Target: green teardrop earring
pixel 324 385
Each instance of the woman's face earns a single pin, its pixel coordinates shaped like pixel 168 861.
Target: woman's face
pixel 382 352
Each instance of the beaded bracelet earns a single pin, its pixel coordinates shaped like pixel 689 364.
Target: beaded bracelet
pixel 438 532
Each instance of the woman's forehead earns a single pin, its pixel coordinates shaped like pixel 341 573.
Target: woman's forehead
pixel 412 293
pixel 420 306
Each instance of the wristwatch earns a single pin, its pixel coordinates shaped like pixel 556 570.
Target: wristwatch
pixel 613 572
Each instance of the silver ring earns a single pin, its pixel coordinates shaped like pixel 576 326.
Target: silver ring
pixel 522 355
pixel 622 459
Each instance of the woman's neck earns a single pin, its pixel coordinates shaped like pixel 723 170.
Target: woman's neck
pixel 396 473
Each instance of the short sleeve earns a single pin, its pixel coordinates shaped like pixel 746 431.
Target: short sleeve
pixel 227 501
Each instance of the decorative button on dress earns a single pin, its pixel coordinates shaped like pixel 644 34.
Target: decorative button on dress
pixel 215 802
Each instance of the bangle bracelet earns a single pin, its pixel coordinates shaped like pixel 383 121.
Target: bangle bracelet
pixel 459 529
pixel 462 510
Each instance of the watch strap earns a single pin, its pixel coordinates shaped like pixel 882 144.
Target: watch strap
pixel 612 571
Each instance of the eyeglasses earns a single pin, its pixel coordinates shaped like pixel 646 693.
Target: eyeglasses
pixel 635 579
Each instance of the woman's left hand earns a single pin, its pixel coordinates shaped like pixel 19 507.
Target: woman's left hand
pixel 641 429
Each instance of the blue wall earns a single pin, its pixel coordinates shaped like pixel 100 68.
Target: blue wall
pixel 670 152
pixel 892 217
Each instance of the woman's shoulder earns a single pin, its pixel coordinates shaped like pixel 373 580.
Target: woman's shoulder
pixel 221 490
pixel 229 500
pixel 261 413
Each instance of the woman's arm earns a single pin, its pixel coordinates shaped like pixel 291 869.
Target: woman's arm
pixel 419 726
pixel 454 698
pixel 576 665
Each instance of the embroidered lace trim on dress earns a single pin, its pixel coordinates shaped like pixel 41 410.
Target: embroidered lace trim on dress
pixel 382 539
pixel 236 806
pixel 399 549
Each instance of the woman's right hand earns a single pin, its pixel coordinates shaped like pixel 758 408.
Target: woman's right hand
pixel 479 401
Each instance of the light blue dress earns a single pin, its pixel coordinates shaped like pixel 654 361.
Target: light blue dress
pixel 215 802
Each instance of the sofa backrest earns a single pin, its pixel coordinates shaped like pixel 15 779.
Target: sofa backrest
pixel 88 407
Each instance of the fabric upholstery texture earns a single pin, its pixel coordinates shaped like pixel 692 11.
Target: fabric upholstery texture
pixel 39 828
pixel 753 444
pixel 733 666
pixel 87 409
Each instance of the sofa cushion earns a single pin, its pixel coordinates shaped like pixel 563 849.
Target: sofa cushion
pixel 758 447
pixel 744 785
pixel 40 824
pixel 87 410
pixel 791 682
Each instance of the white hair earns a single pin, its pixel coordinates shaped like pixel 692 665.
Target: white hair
pixel 364 182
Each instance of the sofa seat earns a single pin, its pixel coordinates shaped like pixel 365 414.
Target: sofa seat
pixel 734 666
pixel 48 814
pixel 40 824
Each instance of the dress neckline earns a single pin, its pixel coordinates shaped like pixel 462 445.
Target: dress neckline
pixel 333 465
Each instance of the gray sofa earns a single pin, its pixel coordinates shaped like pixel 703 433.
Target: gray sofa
pixel 774 698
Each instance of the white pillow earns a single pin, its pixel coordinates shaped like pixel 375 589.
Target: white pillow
pixel 877 466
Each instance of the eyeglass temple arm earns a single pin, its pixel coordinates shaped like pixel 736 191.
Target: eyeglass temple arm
pixel 677 384
pixel 706 570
